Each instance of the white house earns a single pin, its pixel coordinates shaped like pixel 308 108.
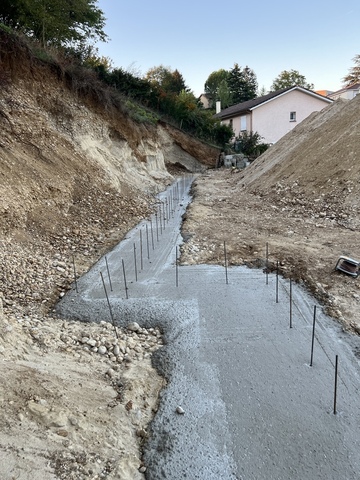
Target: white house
pixel 348 92
pixel 274 114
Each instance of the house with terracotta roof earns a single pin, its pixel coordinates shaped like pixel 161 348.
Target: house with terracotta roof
pixel 275 114
pixel 349 92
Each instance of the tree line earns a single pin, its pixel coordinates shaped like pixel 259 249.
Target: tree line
pixel 74 27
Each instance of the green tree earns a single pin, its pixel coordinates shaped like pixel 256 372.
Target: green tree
pixel 94 61
pixel 242 84
pixel 169 81
pixel 250 144
pixel 290 78
pixel 224 94
pixel 262 91
pixel 354 73
pixel 56 22
pixel 213 82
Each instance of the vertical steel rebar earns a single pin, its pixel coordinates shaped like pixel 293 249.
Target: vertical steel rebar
pixel 313 338
pixel 277 282
pixel 108 301
pixel 126 288
pixel 141 252
pixel 336 382
pixel 290 295
pixel 164 214
pixel 147 242
pixel 267 264
pixel 136 278
pixel 157 226
pixel 176 268
pixel 225 258
pixel 108 272
pixel 160 219
pixel 152 234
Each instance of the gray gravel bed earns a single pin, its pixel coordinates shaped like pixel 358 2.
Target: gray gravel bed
pixel 242 401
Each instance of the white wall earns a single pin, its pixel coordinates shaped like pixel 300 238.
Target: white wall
pixel 272 119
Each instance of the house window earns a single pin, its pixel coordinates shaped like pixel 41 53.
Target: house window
pixel 243 123
pixel 292 116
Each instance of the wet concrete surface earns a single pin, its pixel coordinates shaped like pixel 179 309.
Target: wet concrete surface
pixel 254 407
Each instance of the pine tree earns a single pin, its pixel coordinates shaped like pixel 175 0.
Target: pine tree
pixel 354 73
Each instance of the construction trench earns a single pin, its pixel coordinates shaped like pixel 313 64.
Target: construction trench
pixel 260 382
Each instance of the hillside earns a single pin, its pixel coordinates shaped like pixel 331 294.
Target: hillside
pixel 302 197
pixel 76 173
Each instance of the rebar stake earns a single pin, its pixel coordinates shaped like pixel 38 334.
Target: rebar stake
pixel 141 252
pixel 136 278
pixel 108 272
pixel 336 376
pixel 126 288
pixel 164 214
pixel 108 301
pixel 313 337
pixel 176 268
pixel 157 227
pixel 290 294
pixel 160 219
pixel 277 282
pixel 147 242
pixel 226 272
pixel 152 234
pixel 267 264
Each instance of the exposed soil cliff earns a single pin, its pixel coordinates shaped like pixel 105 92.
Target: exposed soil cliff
pixel 76 173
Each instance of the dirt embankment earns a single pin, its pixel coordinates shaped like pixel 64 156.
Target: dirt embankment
pixel 75 175
pixel 302 197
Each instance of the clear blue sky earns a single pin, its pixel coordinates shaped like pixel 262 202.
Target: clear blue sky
pixel 198 37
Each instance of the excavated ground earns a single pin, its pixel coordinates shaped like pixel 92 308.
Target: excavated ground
pixel 302 198
pixel 73 181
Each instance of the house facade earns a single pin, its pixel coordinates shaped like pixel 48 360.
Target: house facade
pixel 348 93
pixel 274 114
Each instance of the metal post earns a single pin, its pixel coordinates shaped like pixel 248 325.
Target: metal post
pixel 290 303
pixel 147 242
pixel 277 282
pixel 108 272
pixel 313 337
pixel 157 226
pixel 136 278
pixel 267 264
pixel 335 389
pixel 126 288
pixel 225 256
pixel 176 268
pixel 107 298
pixel 141 252
pixel 160 219
pixel 152 234
pixel 164 214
